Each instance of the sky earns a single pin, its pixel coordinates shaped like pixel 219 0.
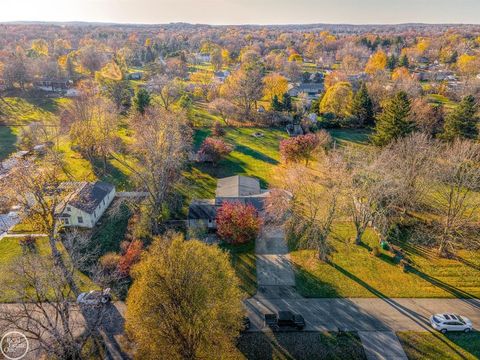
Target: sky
pixel 244 11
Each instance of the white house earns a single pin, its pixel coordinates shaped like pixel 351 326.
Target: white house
pixel 85 205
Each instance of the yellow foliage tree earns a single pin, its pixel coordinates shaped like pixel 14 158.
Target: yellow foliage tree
pixel 111 71
pixel 274 84
pixel 184 303
pixel 338 99
pixel 400 74
pixel 295 57
pixel 40 47
pixel 377 62
pixel 468 64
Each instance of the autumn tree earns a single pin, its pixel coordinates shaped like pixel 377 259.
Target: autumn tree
pixel 185 301
pixel 223 109
pixel 338 100
pixel 394 121
pixel 237 223
pixel 214 150
pixel 244 88
pixel 203 81
pixel 275 85
pixel 168 90
pixel 376 63
pixel 161 142
pixel 462 121
pixel 301 148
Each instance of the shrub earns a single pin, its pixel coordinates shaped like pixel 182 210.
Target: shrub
pixel 109 262
pixel 299 148
pixel 28 243
pixel 214 150
pixel 130 258
pixel 218 130
pixel 237 223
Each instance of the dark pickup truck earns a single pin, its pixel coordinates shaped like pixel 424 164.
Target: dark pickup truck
pixel 284 320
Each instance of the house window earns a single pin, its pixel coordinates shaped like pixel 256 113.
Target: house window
pixel 80 220
pixel 69 208
pixel 65 221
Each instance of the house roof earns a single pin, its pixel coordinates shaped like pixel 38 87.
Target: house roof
pixel 90 196
pixel 202 209
pixel 236 186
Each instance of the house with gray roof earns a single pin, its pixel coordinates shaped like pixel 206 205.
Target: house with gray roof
pixel 243 189
pixel 84 206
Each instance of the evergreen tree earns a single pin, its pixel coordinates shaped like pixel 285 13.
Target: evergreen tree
pixel 462 122
pixel 362 107
pixel 276 105
pixel 403 62
pixel 287 102
pixel 393 122
pixel 392 62
pixel 142 100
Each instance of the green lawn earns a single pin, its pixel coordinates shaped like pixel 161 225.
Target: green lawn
pixel 426 346
pixel 354 272
pixel 300 345
pixel 8 139
pixel 350 136
pixel 252 156
pixel 243 261
pixel 10 251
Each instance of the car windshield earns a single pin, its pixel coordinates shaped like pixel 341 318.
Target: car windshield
pixel 436 319
pixel 462 320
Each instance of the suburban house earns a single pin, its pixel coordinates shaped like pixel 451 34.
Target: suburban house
pixel 85 205
pixel 313 90
pixel 244 189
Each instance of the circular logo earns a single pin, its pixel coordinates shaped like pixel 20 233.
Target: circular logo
pixel 14 345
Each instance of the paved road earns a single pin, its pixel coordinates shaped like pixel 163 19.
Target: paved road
pixel 364 314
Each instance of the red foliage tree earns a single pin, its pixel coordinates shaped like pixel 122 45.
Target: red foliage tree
pixel 130 257
pixel 299 148
pixel 214 150
pixel 237 223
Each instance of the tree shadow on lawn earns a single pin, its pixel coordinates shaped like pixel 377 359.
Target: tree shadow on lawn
pixel 111 174
pixel 7 141
pixel 255 154
pixel 243 260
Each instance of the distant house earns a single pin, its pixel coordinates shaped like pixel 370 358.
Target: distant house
pixel 53 85
pixel 135 76
pixel 203 58
pixel 313 90
pixel 222 75
pixel 86 204
pixel 243 189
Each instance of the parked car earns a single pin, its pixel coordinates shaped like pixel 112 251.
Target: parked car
pixel 95 297
pixel 450 322
pixel 284 320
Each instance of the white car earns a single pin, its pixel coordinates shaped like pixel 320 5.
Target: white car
pixel 450 322
pixel 95 297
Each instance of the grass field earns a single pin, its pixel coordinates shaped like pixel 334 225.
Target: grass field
pixel 10 250
pixel 243 261
pixel 354 272
pixel 426 346
pixel 8 139
pixel 300 345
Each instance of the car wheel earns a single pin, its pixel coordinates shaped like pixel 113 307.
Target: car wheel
pixel 467 330
pixel 443 331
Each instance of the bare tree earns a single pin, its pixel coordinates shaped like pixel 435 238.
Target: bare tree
pixel 44 309
pixel 168 90
pixel 162 142
pixel 223 108
pixel 310 203
pixel 455 196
